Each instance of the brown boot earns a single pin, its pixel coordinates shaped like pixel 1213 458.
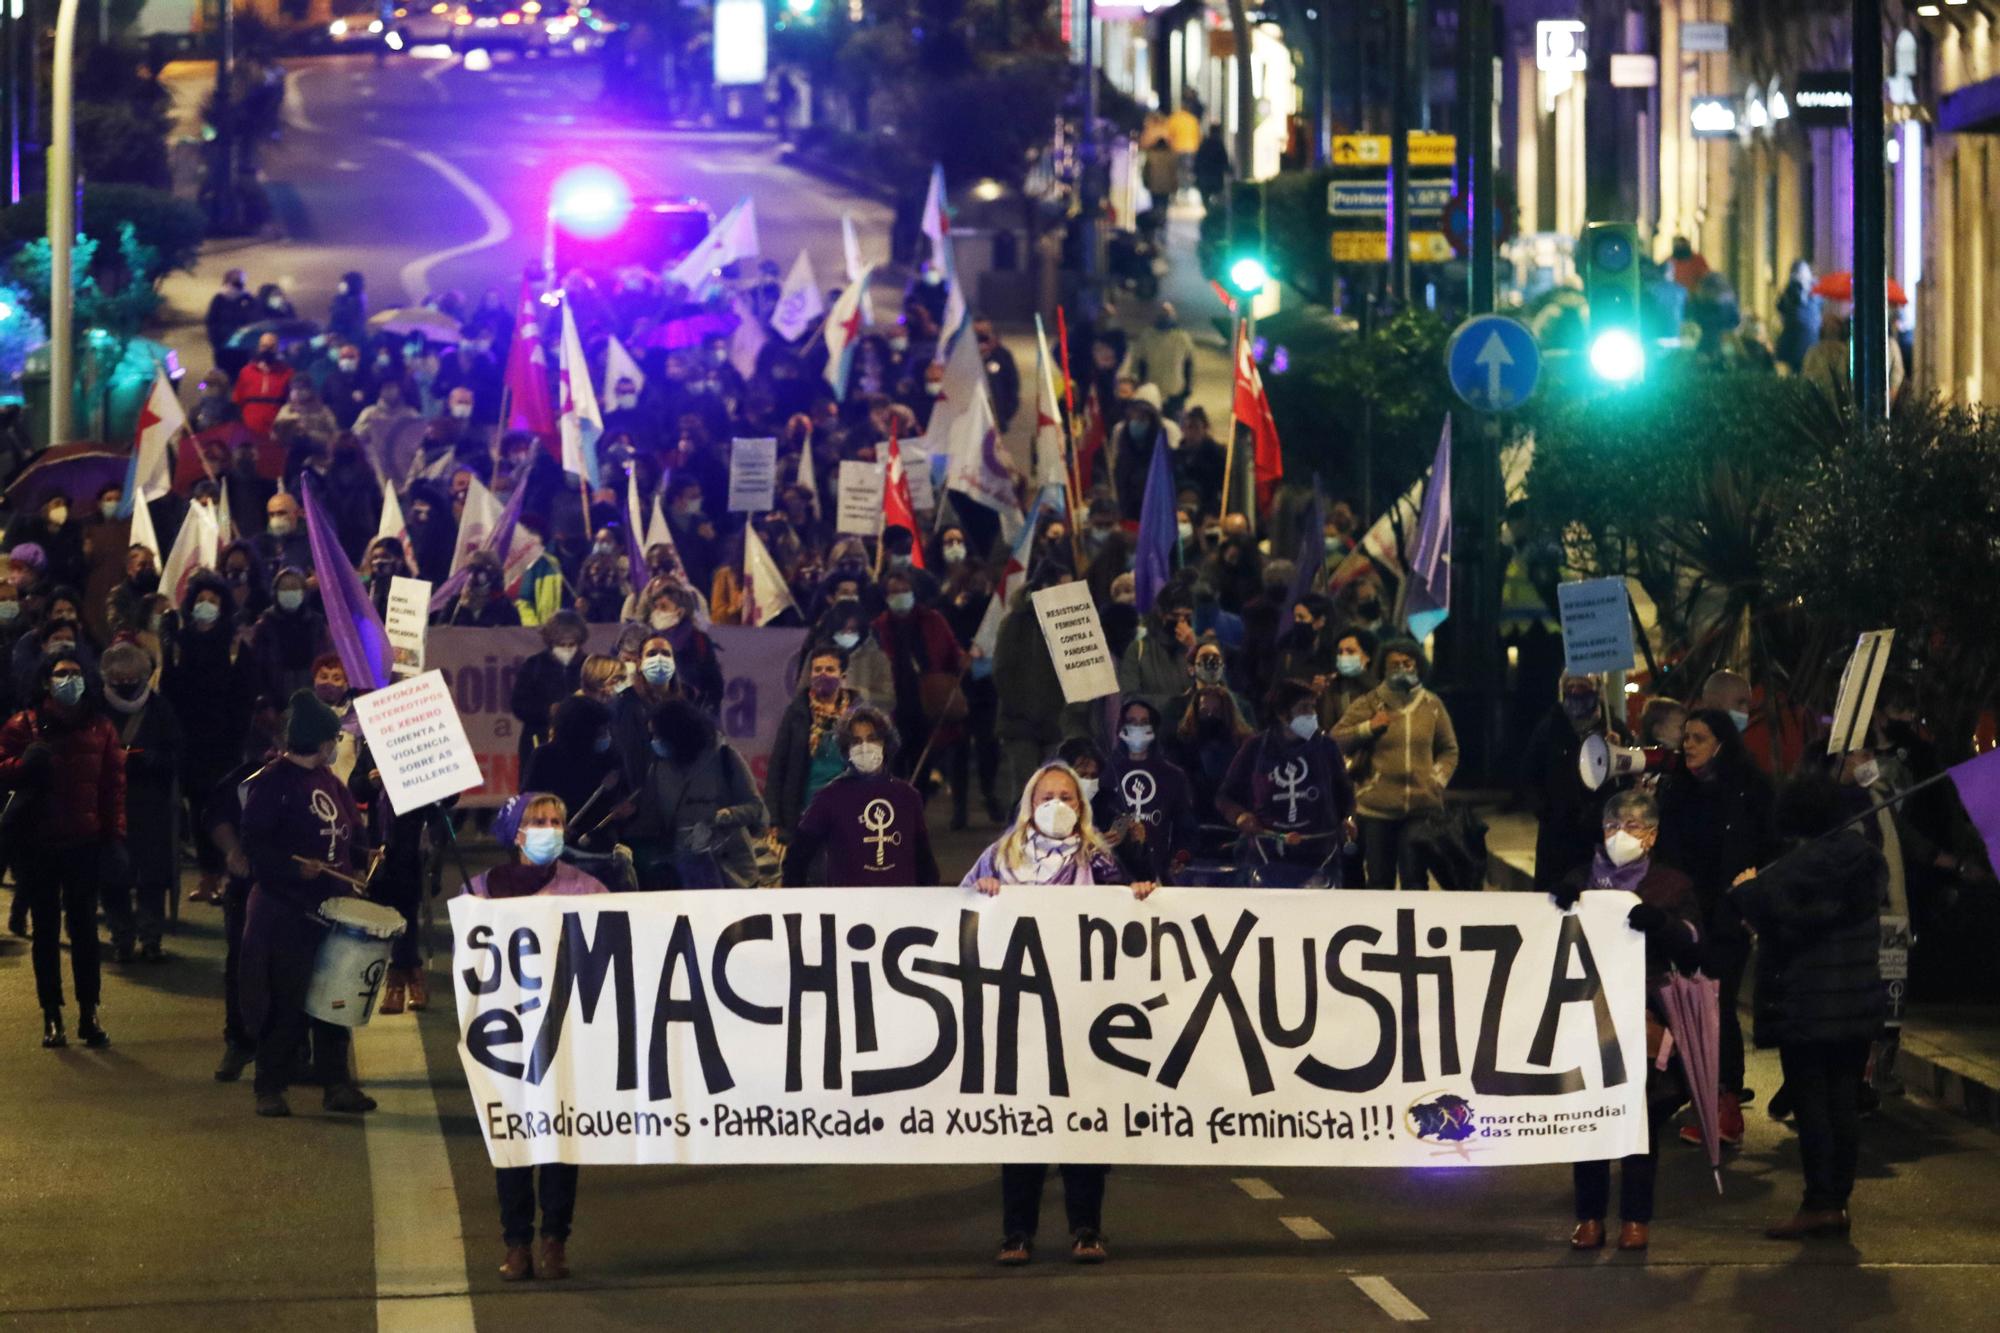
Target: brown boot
pixel 1632 1236
pixel 1810 1223
pixel 392 993
pixel 518 1266
pixel 553 1263
pixel 1587 1236
pixel 420 988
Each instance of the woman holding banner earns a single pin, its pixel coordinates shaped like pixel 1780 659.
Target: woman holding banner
pixel 1052 842
pixel 531 826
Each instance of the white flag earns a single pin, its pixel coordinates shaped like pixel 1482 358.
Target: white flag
pixel 161 421
pixel 936 222
pixel 857 270
pixel 581 423
pixel 619 365
pixel 800 301
pixel 393 527
pixel 964 428
pixel 1050 456
pixel 635 514
pixel 225 522
pixel 657 531
pixel 733 238
pixel 746 344
pixel 769 595
pixel 476 523
pixel 194 549
pixel 143 533
pixel 843 329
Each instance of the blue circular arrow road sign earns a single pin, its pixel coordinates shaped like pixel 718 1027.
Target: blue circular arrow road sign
pixel 1493 363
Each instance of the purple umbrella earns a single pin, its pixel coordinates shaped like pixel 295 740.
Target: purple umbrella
pixel 1695 1022
pixel 78 471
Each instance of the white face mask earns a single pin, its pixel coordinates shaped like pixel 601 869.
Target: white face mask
pixel 1055 818
pixel 291 599
pixel 1089 786
pixel 866 756
pixel 1867 773
pixel 665 619
pixel 58 516
pixel 564 653
pixel 462 411
pixel 954 553
pixel 1623 848
pixel 1305 726
pixel 1138 739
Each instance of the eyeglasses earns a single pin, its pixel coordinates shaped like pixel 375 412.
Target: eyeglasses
pixel 1632 826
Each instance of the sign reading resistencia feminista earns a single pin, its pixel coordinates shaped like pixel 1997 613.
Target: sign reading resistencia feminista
pixel 753 475
pixel 1075 635
pixel 1052 1024
pixel 860 501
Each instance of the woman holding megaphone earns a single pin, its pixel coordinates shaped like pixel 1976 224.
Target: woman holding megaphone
pixel 1567 808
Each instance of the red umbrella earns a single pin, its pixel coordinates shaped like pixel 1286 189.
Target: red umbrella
pixel 1695 1022
pixel 1840 287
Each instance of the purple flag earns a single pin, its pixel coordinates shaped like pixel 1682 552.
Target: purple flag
pixel 1159 532
pixel 1428 599
pixel 351 621
pixel 1312 554
pixel 1978 783
pixel 499 544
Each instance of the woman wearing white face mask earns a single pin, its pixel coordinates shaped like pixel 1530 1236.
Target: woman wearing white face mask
pixel 1144 802
pixel 547 678
pixel 1289 781
pixel 531 826
pixel 1666 915
pixel 1052 842
pixel 287 638
pixel 865 827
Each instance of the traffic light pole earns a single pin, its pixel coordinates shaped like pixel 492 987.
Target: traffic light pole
pixel 1399 152
pixel 1868 338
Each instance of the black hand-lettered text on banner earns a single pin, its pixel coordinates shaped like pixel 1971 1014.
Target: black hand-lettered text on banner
pixel 1058 1024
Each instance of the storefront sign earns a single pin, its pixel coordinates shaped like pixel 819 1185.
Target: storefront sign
pixel 1635 71
pixel 1704 38
pixel 1823 99
pixel 1562 44
pixel 1712 118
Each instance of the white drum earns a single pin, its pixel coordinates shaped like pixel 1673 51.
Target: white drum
pixel 352 958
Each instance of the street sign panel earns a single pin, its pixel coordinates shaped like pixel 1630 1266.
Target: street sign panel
pixel 1704 37
pixel 1370 199
pixel 1493 363
pixel 1372 247
pixel 1372 150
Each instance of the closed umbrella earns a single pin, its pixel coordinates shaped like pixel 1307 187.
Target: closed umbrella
pixel 1694 1019
pixel 1840 287
pixel 289 332
pixel 430 323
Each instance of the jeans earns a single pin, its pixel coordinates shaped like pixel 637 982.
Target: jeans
pixel 1824 1080
pixel 517 1201
pixel 1388 855
pixel 284 1028
pixel 1021 1197
pixel 1635 1178
pixel 61 886
pixel 135 906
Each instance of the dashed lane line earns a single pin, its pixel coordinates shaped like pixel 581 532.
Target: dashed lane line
pixel 1257 1189
pixel 1306 1228
pixel 1393 1302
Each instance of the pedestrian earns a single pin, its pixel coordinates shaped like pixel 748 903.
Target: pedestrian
pixel 283 544
pixel 1307 647
pixel 697 667
pixel 1819 1000
pixel 64 829
pixel 864 828
pixel 1353 652
pixel 262 386
pixel 299 822
pixel 1154 666
pixel 1144 802
pixel 1133 440
pixel 210 690
pixel 1687 266
pixel 807 754
pixel 1800 313
pixel 1666 915
pixel 1212 169
pixel 531 826
pixel 348 316
pixel 1403 734
pixel 307 415
pixel 135 902
pixel 1163 356
pixel 229 309
pixel 483 602
pixel 546 678
pixel 1029 716
pixel 1289 782
pixel 286 639
pixel 1052 841
pixel 698 808
pixel 221 822
pixel 56 539
pixel 925 664
pixel 1568 815
pixel 1716 812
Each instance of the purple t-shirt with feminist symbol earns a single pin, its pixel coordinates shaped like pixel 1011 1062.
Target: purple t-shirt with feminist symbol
pixel 872 832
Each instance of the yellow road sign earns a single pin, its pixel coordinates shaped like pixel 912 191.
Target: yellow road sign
pixel 1372 247
pixel 1372 150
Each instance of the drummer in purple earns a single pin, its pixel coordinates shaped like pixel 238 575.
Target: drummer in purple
pixel 869 825
pixel 297 818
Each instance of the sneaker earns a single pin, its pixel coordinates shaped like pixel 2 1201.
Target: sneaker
pixel 1014 1252
pixel 234 1060
pixel 272 1105
pixel 347 1099
pixel 1088 1247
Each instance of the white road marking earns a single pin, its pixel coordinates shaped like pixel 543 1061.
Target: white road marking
pixel 1306 1228
pixel 1257 1189
pixel 1393 1302
pixel 420 1278
pixel 415 275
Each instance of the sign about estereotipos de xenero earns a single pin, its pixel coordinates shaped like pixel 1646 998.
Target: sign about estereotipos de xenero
pixel 1052 1024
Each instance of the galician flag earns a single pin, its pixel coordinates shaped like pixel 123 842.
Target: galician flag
pixel 766 595
pixel 194 549
pixel 619 365
pixel 393 527
pixel 857 271
pixel 1050 451
pixel 581 421
pixel 476 523
pixel 937 225
pixel 161 421
pixel 657 531
pixel 143 533
pixel 1015 572
pixel 733 238
pixel 843 330
pixel 800 301
pixel 965 430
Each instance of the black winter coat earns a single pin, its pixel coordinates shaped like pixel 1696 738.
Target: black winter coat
pixel 541 684
pixel 1569 816
pixel 1711 831
pixel 1817 914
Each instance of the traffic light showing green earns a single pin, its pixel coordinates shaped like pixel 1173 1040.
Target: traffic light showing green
pixel 1247 275
pixel 1611 287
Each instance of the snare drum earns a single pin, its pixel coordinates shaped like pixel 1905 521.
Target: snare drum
pixel 352 958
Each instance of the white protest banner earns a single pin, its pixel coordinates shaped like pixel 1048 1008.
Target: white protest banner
pixel 417 741
pixel 860 512
pixel 1597 626
pixel 481 665
pixel 1859 683
pixel 1199 1027
pixel 753 475
pixel 922 481
pixel 1075 637
pixel 406 623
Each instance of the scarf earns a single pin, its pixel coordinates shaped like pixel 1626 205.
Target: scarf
pixel 1604 875
pixel 1047 860
pixel 824 716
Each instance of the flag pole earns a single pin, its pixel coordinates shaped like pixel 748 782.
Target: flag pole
pixel 1229 458
pixel 1071 463
pixel 880 540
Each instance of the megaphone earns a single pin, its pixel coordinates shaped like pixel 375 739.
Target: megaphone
pixel 1600 761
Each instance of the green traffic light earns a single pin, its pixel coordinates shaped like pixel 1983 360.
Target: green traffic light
pixel 1616 356
pixel 1248 275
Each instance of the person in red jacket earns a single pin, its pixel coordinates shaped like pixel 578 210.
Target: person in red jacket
pixel 263 386
pixel 925 662
pixel 65 830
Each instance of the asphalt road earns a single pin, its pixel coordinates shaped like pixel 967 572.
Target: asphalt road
pixel 141 1195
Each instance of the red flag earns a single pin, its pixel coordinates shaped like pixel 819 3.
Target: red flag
pixel 897 511
pixel 1091 444
pixel 1253 409
pixel 528 374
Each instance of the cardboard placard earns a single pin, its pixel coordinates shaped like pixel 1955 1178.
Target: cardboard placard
pixel 923 485
pixel 417 741
pixel 753 476
pixel 1075 636
pixel 1597 626
pixel 860 512
pixel 409 616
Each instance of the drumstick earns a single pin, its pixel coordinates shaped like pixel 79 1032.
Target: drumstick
pixel 360 883
pixel 609 781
